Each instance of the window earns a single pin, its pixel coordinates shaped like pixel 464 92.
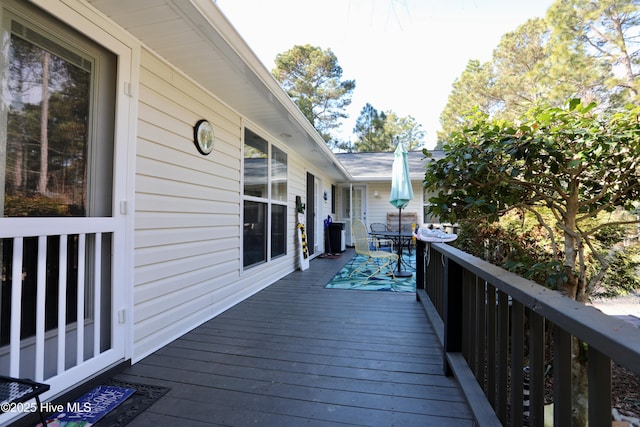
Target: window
pixel 278 174
pixel 56 134
pixel 53 101
pixel 264 202
pixel 333 199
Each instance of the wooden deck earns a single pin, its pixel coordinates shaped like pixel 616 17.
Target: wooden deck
pixel 299 354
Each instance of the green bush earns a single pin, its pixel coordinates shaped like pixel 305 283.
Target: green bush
pixel 514 246
pixel 623 275
pixel 36 205
pixel 519 244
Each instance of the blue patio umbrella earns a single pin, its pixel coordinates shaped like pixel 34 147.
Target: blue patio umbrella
pixel 401 190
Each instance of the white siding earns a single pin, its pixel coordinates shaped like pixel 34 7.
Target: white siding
pixel 188 210
pixel 298 168
pixel 379 206
pixel 187 207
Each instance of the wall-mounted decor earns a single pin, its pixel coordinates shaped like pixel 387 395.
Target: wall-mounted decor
pixel 203 136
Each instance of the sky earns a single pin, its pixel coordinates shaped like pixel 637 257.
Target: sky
pixel 404 55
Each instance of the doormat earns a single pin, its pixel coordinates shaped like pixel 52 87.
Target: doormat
pixel 91 407
pixel 114 404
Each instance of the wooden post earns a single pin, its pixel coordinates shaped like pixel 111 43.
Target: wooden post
pixel 452 311
pixel 420 272
pixel 599 387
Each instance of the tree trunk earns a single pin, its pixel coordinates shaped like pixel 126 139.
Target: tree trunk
pixel 579 384
pixel 574 289
pixel 570 287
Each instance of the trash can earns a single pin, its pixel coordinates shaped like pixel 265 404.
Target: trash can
pixel 337 236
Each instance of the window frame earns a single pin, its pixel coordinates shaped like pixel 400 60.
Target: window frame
pixel 275 155
pixel 101 103
pixel 105 71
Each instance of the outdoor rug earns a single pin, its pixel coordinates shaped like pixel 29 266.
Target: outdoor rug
pixel 145 396
pixel 112 405
pixel 376 283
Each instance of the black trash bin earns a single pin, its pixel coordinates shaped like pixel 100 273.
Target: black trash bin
pixel 337 236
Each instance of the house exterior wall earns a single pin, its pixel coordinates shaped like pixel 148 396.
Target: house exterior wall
pixel 177 257
pixel 188 210
pixel 115 226
pixel 378 202
pixel 187 207
pixel 179 263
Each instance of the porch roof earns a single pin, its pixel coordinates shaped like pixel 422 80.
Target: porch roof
pixel 197 38
pixel 377 166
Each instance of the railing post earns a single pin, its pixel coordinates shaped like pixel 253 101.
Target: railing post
pixel 517 357
pixel 452 311
pixel 562 361
pixel 599 371
pixel 420 274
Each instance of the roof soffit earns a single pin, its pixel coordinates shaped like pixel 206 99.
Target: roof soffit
pixel 195 36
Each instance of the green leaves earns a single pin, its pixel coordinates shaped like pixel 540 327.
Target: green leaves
pixel 571 160
pixel 313 79
pixel 586 47
pixel 380 131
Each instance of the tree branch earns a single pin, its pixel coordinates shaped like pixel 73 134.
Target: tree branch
pixel 541 221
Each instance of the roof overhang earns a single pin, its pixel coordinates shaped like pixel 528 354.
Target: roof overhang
pixel 197 38
pixel 377 167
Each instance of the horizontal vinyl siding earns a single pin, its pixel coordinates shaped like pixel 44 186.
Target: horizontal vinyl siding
pixel 187 223
pixel 378 207
pixel 187 263
pixel 298 168
pixel 297 184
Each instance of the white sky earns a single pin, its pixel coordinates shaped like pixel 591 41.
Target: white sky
pixel 403 54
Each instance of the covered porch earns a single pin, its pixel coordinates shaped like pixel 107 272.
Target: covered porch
pixel 299 354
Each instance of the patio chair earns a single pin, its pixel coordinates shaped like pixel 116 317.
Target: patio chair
pixel 365 247
pixel 380 227
pixel 408 242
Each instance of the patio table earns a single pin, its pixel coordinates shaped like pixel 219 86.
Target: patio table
pixel 16 391
pixel 397 237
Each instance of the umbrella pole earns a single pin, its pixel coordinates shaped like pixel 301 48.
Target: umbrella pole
pixel 400 273
pixel 399 238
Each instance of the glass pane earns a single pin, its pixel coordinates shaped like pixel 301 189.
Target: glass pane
pixel 278 230
pixel 255 165
pixel 47 128
pixel 333 198
pixel 278 174
pixel 346 203
pixel 357 202
pixel 254 233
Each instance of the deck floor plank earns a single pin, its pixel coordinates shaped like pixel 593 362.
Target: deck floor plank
pixel 299 354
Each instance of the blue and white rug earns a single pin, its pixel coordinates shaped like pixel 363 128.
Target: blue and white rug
pixel 91 407
pixel 114 405
pixel 379 282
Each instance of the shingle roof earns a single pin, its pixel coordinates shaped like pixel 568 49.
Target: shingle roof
pixel 377 166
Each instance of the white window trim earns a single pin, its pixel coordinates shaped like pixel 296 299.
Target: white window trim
pixel 92 24
pixel 271 142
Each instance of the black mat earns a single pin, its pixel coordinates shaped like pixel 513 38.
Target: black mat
pixel 145 396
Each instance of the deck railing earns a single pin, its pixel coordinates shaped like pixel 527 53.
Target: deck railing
pixel 508 340
pixel 56 295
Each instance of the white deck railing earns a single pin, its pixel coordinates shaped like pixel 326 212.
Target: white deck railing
pixel 73 338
